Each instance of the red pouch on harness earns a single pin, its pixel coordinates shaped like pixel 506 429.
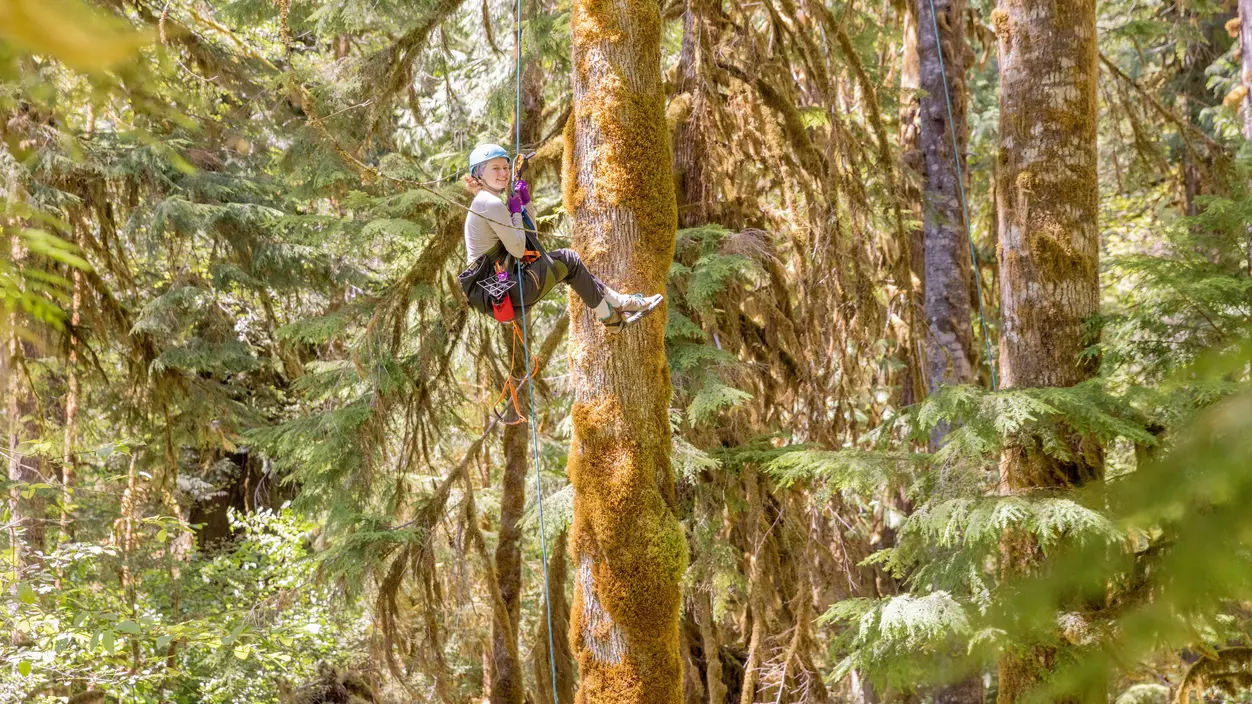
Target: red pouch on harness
pixel 502 310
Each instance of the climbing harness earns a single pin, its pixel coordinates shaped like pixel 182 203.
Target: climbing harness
pixel 960 180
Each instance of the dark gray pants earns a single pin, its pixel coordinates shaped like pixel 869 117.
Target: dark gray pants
pixel 540 277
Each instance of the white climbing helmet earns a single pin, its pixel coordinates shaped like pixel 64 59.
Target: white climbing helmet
pixel 484 153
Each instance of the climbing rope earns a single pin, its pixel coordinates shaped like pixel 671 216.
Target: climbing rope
pixel 530 384
pixel 960 180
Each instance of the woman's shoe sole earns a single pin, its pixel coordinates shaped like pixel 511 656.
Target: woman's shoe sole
pixel 636 316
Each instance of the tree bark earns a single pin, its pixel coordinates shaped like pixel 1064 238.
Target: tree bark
pixel 912 175
pixel 628 547
pixel 26 513
pixel 68 458
pixel 1049 250
pixel 1049 197
pixel 695 191
pixel 950 347
pixel 944 251
pixel 558 573
pixel 506 672
pixel 26 528
pixel 712 649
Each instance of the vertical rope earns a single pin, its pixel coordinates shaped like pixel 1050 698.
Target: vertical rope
pixel 530 383
pixel 960 180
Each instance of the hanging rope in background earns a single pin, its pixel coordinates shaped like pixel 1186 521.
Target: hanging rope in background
pixel 960 180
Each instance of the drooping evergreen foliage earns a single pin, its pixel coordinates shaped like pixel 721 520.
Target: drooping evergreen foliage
pixel 250 443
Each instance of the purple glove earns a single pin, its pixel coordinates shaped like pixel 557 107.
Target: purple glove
pixel 521 188
pixel 515 203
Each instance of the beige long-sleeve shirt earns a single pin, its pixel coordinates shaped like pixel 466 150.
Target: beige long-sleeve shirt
pixel 481 234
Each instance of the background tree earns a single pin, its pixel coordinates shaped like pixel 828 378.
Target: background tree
pixel 1049 251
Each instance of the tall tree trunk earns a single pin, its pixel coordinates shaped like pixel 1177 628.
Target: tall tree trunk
pixel 912 170
pixel 71 410
pixel 506 671
pixel 945 252
pixel 1049 249
pixel 694 187
pixel 949 353
pixel 558 574
pixel 26 513
pixel 1245 43
pixel 712 649
pixel 628 547
pixel 26 527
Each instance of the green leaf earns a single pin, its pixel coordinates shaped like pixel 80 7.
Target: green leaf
pixel 233 635
pixel 23 668
pixel 107 640
pixel 163 642
pixel 26 593
pixel 162 535
pixel 129 626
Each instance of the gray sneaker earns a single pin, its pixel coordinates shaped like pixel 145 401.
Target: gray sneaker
pixel 633 309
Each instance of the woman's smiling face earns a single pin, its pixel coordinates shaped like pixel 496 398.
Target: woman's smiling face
pixel 495 174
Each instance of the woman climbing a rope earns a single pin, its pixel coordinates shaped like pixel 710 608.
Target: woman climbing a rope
pixel 496 237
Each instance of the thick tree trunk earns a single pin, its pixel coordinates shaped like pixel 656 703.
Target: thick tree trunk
pixel 912 176
pixel 712 649
pixel 944 251
pixel 558 574
pixel 68 458
pixel 26 513
pixel 1049 197
pixel 695 191
pixel 628 547
pixel 506 672
pixel 950 348
pixel 1049 248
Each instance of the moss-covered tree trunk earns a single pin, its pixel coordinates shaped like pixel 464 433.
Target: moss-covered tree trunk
pixel 695 190
pixel 506 670
pixel 558 574
pixel 628 548
pixel 1049 248
pixel 950 347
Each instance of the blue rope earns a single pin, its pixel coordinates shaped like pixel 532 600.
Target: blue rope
pixel 530 384
pixel 534 433
pixel 960 180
